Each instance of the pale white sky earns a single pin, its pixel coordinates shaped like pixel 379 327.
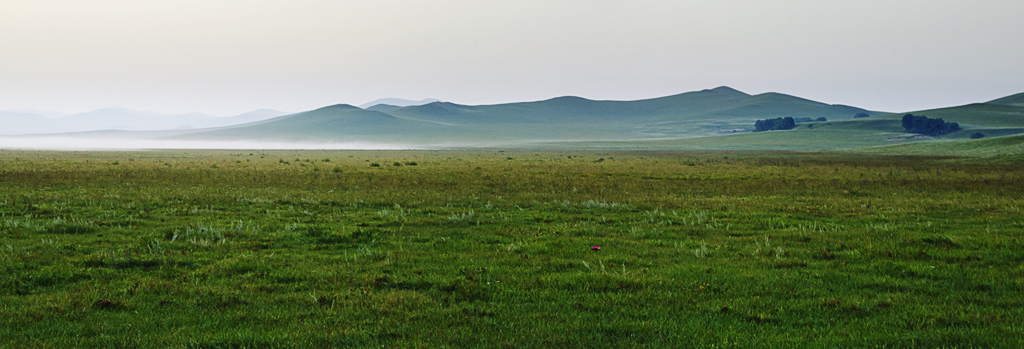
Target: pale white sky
pixel 232 56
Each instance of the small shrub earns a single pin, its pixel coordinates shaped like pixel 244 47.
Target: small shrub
pixel 464 217
pixel 977 135
pixel 374 164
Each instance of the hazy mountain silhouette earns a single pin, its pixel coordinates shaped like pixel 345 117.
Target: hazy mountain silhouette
pixel 398 102
pixel 15 122
pixel 44 113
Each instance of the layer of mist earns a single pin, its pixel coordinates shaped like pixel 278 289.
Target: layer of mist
pixel 28 122
pixel 77 143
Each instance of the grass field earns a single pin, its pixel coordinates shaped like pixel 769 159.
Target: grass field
pixel 491 248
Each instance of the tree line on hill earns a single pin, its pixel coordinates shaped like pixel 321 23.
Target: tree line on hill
pixel 786 123
pixel 919 124
pixel 821 119
pixel 924 125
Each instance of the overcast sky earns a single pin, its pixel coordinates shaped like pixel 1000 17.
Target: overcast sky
pixel 232 56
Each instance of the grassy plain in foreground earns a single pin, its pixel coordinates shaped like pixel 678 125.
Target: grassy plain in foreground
pixel 493 248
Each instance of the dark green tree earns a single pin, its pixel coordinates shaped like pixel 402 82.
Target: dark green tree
pixel 921 124
pixel 786 123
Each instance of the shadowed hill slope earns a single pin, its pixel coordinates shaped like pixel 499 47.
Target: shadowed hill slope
pixel 328 124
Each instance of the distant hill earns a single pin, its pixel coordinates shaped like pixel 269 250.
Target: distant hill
pixel 688 115
pixel 398 102
pixel 253 116
pixel 17 122
pixel 44 113
pixel 718 118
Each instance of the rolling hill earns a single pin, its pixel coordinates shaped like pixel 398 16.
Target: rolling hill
pixel 687 115
pixel 18 122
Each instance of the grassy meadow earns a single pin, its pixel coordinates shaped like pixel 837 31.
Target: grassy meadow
pixel 494 248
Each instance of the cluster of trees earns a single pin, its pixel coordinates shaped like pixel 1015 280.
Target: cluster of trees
pixel 821 119
pixel 860 115
pixel 786 123
pixel 927 126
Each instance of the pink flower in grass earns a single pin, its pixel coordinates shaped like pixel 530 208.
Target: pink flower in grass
pixel 595 248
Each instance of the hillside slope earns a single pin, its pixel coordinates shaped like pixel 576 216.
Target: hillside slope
pixel 1016 100
pixel 328 124
pixel 990 120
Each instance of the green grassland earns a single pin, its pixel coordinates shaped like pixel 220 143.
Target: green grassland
pixel 1004 149
pixel 492 248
